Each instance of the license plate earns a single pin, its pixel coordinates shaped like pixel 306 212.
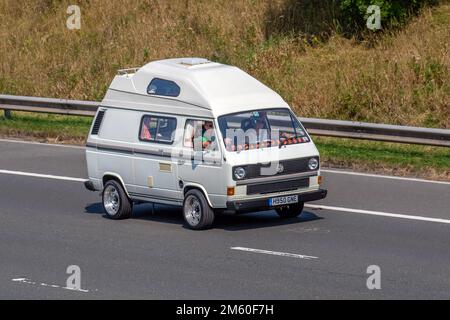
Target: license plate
pixel 279 201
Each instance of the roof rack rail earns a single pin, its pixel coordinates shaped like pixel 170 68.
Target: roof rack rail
pixel 128 71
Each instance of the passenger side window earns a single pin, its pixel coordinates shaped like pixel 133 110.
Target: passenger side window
pixel 163 87
pixel 200 135
pixel 157 129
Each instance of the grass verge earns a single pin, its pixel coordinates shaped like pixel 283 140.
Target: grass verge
pixel 378 157
pixel 386 158
pixel 46 127
pixel 398 76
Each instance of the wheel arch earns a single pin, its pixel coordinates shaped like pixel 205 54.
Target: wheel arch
pixel 191 186
pixel 114 176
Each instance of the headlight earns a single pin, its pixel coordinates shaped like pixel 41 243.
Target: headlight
pixel 239 173
pixel 313 164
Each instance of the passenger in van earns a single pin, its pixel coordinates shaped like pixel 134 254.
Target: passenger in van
pixel 259 123
pixel 145 132
pixel 166 130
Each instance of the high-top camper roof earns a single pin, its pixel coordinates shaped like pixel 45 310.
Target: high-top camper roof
pixel 205 88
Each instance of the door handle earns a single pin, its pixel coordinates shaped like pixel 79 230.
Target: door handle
pixel 181 162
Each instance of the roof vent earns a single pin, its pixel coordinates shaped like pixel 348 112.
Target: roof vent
pixel 193 61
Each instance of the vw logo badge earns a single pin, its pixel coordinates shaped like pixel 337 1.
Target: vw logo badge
pixel 280 168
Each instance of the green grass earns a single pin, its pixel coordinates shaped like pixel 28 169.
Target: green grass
pixel 385 157
pixel 46 126
pixel 397 76
pixel 394 158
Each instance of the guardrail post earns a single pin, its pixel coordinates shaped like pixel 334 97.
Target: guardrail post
pixel 8 114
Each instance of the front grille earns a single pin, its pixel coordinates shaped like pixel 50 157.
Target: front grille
pixel 271 187
pixel 290 166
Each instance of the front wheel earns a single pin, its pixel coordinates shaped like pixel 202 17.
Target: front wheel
pixel 115 201
pixel 290 211
pixel 196 211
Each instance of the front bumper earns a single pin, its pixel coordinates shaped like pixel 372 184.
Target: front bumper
pixel 263 203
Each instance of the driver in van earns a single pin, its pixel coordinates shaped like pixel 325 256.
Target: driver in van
pixel 208 134
pixel 197 135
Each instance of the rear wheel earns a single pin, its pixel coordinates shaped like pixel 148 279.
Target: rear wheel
pixel 196 211
pixel 290 211
pixel 115 201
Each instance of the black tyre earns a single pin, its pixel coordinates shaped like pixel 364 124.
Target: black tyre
pixel 115 201
pixel 290 211
pixel 196 211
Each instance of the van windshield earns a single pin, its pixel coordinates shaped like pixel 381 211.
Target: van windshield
pixel 261 129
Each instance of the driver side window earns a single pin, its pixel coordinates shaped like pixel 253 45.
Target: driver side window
pixel 200 135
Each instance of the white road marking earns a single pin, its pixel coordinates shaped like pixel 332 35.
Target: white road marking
pixel 312 206
pixel 28 281
pixel 275 253
pixel 42 144
pixel 378 213
pixel 45 176
pixel 323 170
pixel 352 173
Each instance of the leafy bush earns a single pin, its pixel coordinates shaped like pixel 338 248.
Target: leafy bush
pixel 393 13
pixel 310 18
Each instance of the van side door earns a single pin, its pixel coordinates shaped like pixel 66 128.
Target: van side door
pixel 200 161
pixel 154 168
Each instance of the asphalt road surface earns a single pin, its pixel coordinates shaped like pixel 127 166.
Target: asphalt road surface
pixel 48 221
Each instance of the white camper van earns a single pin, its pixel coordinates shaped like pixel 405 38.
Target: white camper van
pixel 201 135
